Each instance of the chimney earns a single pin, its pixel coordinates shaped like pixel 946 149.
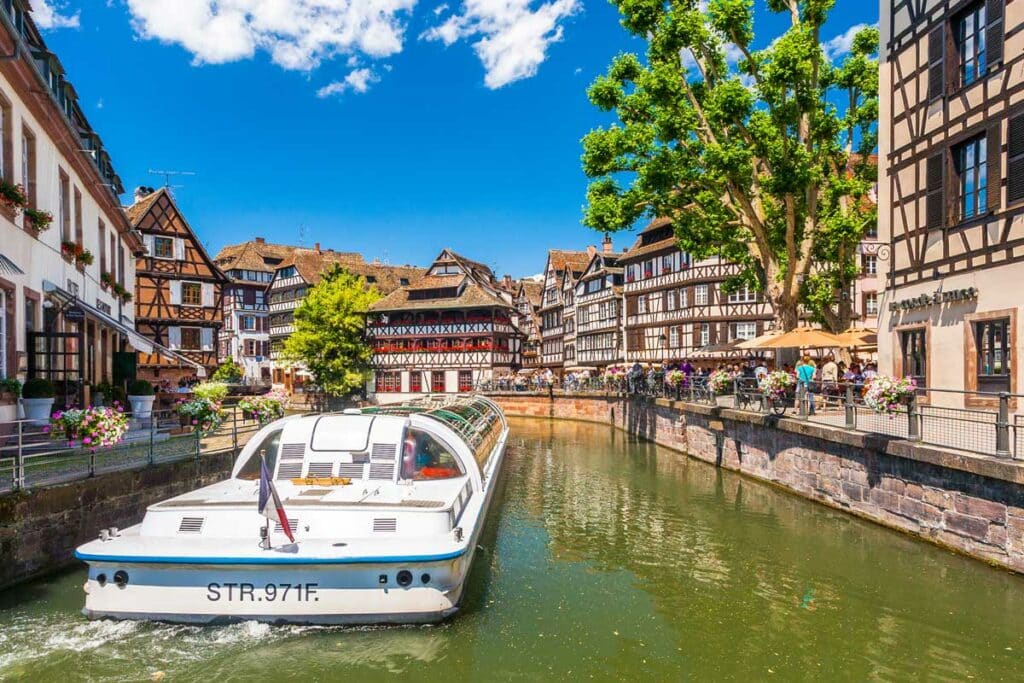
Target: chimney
pixel 591 250
pixel 507 281
pixel 316 247
pixel 606 244
pixel 260 240
pixel 141 192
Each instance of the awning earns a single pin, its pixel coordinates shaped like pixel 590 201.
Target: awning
pixel 8 267
pixel 137 341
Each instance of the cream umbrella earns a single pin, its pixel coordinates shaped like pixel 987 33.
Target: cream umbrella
pixel 802 338
pixel 756 342
pixel 858 337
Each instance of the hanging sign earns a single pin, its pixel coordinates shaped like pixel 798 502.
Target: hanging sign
pixel 75 314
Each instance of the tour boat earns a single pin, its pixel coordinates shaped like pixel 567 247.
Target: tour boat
pixel 385 504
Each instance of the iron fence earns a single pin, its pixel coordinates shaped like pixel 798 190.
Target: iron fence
pixel 30 456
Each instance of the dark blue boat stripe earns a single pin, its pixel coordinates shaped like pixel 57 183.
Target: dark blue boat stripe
pixel 156 559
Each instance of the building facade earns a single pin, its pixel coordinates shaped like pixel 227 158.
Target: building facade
pixel 178 292
pixel 598 313
pixel 245 336
pixel 445 332
pixel 293 279
pixel 951 193
pixel 675 307
pixel 560 273
pixel 526 301
pixel 61 316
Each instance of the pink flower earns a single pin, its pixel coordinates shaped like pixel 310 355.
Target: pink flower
pixel 87 440
pixel 46 429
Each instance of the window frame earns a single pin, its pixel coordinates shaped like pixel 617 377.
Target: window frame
pixel 156 251
pixel 976 42
pixel 975 174
pixel 198 331
pixel 198 287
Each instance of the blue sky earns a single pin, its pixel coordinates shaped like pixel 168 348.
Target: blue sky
pixel 385 127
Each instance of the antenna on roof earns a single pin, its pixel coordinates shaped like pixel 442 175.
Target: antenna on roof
pixel 302 234
pixel 384 257
pixel 167 176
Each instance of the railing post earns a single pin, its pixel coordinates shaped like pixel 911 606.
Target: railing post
pixel 850 409
pixel 801 399
pixel 198 444
pixel 736 394
pixel 234 429
pixel 19 462
pixel 1003 425
pixel 92 463
pixel 913 420
pixel 152 440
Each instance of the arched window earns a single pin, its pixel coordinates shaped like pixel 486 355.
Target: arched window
pixel 425 457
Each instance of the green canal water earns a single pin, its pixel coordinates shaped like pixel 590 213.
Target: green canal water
pixel 604 559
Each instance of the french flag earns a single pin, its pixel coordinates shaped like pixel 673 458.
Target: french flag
pixel 270 502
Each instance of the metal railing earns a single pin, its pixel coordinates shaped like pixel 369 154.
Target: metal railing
pixel 992 429
pixel 31 457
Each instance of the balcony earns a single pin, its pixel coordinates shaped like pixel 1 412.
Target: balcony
pixel 596 325
pixel 442 359
pixel 583 357
pixel 549 332
pixel 377 331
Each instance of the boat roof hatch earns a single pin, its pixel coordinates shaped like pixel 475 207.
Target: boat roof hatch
pixel 341 433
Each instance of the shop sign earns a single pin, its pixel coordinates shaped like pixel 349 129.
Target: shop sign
pixel 75 314
pixel 937 298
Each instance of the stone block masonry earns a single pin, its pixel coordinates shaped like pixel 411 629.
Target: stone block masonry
pixel 40 529
pixel 973 504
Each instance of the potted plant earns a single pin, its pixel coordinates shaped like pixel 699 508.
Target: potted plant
pixel 204 415
pixel 37 399
pixel 10 390
pixel 12 196
pixel 94 427
pixel 69 250
pixel 102 393
pixel 38 220
pixel 141 397
pixel 107 280
pixel 84 257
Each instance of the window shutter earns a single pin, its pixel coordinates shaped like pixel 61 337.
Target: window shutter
pixel 1015 157
pixel 179 249
pixel 207 292
pixel 207 335
pixel 148 241
pixel 994 33
pixel 175 293
pixel 935 202
pixel 994 161
pixel 174 337
pixel 936 80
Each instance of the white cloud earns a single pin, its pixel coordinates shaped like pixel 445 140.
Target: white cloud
pixel 577 71
pixel 511 37
pixel 440 9
pixel 48 16
pixel 841 44
pixel 297 34
pixel 358 81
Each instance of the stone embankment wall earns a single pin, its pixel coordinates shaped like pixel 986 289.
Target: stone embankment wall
pixel 40 529
pixel 971 503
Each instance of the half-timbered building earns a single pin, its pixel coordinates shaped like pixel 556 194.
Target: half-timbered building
pixel 526 301
pixel 178 290
pixel 445 332
pixel 598 314
pixel 560 273
pixel 951 143
pixel 293 279
pixel 675 307
pixel 245 336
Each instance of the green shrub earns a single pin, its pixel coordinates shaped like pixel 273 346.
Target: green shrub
pixel 213 391
pixel 38 387
pixel 10 385
pixel 140 387
pixel 229 371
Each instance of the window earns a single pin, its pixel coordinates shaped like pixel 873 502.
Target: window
pixel 969 159
pixel 744 330
pixel 970 43
pixel 287 272
pixel 437 381
pixel 871 303
pixel 28 164
pixel 246 323
pixel 992 339
pixel 252 347
pixel 641 304
pixel 3 334
pixel 64 209
pixel 191 338
pixel 673 337
pixel 465 380
pixel 268 449
pixel 426 457
pixel 915 355
pixel 743 295
pixel 705 334
pixel 415 381
pixel 163 247
pixel 869 264
pixel 403 281
pixel 683 303
pixel 6 137
pixel 191 294
pixel 700 296
pixel 103 247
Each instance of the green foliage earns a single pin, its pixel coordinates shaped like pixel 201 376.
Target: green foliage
pixel 229 371
pixel 328 337
pixel 10 385
pixel 140 387
pixel 761 157
pixel 211 391
pixel 38 387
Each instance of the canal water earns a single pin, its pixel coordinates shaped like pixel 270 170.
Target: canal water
pixel 605 559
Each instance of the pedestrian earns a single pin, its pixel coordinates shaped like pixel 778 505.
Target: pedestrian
pixel 805 371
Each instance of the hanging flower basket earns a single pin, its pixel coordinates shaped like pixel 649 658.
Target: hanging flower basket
pixel 38 220
pixel 721 381
pixel 777 384
pixel 92 427
pixel 675 378
pixel 107 280
pixel 885 394
pixel 203 414
pixel 12 196
pixel 84 257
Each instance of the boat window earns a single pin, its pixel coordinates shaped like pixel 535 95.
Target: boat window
pixel 269 448
pixel 426 457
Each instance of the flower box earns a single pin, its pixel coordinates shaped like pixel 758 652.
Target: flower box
pixel 37 220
